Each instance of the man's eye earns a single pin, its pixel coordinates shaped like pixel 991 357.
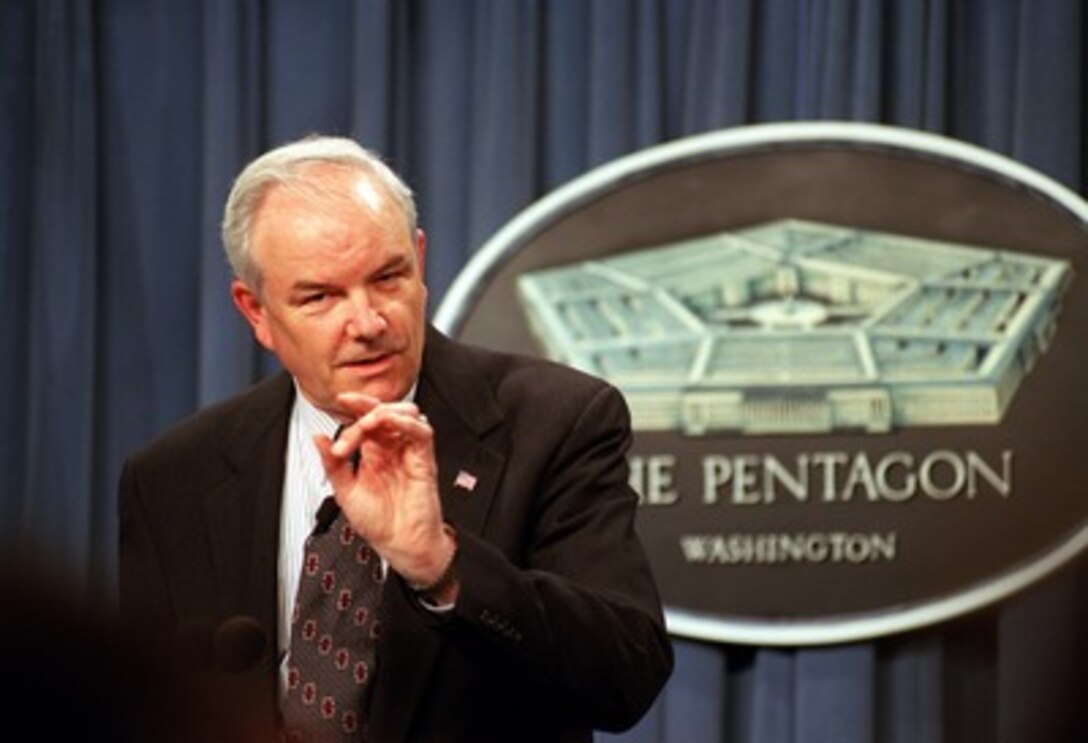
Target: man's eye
pixel 314 297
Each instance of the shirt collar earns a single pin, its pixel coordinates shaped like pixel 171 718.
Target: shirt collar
pixel 312 419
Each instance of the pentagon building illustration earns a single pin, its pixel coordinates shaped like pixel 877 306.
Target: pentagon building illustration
pixel 802 327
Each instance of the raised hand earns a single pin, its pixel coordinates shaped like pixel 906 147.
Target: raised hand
pixel 391 498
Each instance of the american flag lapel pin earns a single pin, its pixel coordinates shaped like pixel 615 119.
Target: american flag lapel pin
pixel 465 480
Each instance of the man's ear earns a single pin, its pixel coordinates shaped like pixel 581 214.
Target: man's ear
pixel 421 250
pixel 252 309
pixel 421 260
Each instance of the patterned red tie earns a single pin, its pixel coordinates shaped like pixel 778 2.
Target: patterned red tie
pixel 334 631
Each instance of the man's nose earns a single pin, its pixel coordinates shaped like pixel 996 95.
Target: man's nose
pixel 365 321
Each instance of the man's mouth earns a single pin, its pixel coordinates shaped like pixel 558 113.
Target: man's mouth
pixel 367 363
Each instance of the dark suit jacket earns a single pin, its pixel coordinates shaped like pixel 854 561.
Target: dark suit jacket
pixel 558 627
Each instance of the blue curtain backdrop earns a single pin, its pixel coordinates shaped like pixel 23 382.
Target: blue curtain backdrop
pixel 123 122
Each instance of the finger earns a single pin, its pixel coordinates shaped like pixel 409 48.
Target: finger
pixel 395 425
pixel 338 468
pixel 386 420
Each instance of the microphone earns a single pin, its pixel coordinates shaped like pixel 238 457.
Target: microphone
pixel 239 644
pixel 326 514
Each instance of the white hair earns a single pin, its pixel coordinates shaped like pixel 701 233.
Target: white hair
pixel 286 165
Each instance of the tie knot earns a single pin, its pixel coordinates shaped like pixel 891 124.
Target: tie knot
pixel 326 514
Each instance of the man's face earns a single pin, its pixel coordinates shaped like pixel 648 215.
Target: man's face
pixel 342 302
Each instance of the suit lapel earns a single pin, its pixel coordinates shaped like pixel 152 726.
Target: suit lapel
pixel 243 513
pixel 468 471
pixel 458 401
pixel 459 405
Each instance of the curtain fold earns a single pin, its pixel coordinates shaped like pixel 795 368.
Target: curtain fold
pixel 124 122
pixel 909 692
pixel 231 122
pixel 61 353
pixel 18 114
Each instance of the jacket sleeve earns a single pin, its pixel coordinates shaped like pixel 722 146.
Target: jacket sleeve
pixel 582 611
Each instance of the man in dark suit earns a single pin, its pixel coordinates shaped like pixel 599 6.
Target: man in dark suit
pixel 515 602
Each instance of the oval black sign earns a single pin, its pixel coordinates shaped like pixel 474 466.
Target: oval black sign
pixel 853 356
